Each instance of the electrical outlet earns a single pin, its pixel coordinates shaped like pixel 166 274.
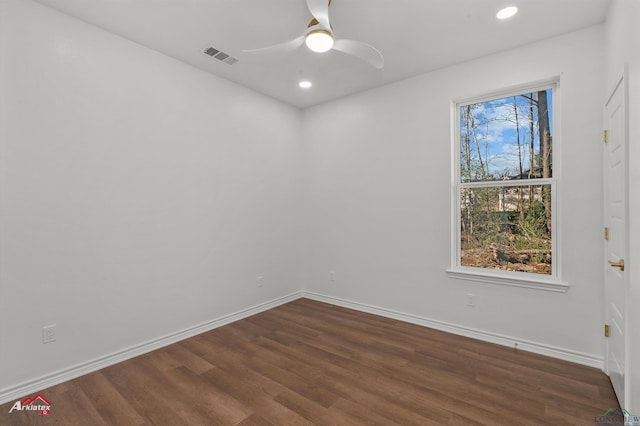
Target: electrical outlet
pixel 332 276
pixel 471 299
pixel 49 333
pixel 260 281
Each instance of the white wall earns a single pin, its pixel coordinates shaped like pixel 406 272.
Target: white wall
pixel 378 170
pixel 139 195
pixel 623 49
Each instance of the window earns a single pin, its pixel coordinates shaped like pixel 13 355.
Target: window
pixel 505 188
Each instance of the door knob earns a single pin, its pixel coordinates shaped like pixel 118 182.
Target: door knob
pixel 619 264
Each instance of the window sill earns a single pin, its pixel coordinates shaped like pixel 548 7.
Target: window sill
pixel 541 283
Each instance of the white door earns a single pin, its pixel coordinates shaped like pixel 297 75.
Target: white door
pixel 615 245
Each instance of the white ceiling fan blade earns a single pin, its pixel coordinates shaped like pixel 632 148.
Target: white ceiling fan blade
pixel 320 10
pixel 361 50
pixel 287 46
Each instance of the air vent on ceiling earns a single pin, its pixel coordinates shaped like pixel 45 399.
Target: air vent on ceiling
pixel 221 56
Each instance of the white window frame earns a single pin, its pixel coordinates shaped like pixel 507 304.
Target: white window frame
pixel 551 282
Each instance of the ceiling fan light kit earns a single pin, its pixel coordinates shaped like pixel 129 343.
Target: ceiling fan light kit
pixel 319 41
pixel 319 38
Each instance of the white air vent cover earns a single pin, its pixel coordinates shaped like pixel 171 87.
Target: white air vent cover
pixel 221 56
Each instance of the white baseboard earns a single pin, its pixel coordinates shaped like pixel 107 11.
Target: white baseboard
pixel 20 390
pixel 538 348
pixel 37 384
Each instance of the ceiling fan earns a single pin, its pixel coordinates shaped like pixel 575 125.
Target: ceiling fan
pixel 319 38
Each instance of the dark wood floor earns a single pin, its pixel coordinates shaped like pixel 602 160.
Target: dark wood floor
pixel 311 363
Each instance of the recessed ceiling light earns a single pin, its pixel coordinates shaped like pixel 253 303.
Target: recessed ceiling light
pixel 507 12
pixel 305 84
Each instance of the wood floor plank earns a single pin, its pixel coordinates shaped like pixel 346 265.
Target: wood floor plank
pixel 256 391
pixel 349 386
pixel 219 406
pixel 144 393
pixel 111 405
pixel 255 420
pixel 310 410
pixel 189 359
pixel 303 383
pixel 359 414
pixel 308 362
pixel 79 407
pixel 388 389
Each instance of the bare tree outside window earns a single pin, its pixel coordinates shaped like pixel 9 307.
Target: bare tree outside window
pixel 505 183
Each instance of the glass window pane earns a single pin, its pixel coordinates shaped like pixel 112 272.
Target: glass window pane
pixel 506 228
pixel 507 139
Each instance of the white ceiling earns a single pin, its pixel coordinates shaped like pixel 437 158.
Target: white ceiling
pixel 415 36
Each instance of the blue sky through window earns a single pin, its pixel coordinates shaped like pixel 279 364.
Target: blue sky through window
pixel 493 129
